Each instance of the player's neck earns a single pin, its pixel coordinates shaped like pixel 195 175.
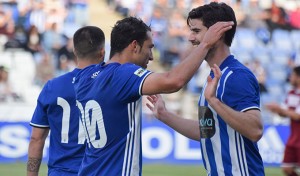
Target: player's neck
pixel 81 64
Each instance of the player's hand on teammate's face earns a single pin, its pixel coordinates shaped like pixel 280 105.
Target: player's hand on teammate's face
pixel 216 31
pixel 212 83
pixel 156 105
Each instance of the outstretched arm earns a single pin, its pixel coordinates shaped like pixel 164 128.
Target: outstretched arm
pixel 179 75
pixel 35 150
pixel 186 127
pixel 276 108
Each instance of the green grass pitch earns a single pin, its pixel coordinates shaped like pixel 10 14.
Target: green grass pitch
pixel 19 169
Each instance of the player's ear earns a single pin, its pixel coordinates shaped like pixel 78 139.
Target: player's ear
pixel 102 53
pixel 74 51
pixel 135 46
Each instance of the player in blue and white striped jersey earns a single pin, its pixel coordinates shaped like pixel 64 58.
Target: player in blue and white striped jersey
pixel 229 123
pixel 56 111
pixel 109 96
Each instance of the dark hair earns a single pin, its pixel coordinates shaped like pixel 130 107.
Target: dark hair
pixel 297 70
pixel 212 13
pixel 126 31
pixel 88 41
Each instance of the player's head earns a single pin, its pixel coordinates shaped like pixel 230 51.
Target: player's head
pixel 125 32
pixel 211 13
pixel 89 43
pixel 295 77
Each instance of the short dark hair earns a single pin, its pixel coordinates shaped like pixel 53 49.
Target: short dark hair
pixel 297 70
pixel 126 31
pixel 212 13
pixel 87 41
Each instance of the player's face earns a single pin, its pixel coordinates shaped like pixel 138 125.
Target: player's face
pixel 197 31
pixel 145 52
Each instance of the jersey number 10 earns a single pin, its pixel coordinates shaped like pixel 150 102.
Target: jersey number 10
pixel 91 116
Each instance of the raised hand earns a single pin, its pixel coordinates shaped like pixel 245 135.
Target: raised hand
pixel 212 83
pixel 156 105
pixel 216 31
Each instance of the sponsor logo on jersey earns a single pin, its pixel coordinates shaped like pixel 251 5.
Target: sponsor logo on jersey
pixel 140 72
pixel 95 74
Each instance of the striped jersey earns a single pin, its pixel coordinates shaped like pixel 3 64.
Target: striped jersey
pixel 56 109
pixel 292 102
pixel 109 98
pixel 225 151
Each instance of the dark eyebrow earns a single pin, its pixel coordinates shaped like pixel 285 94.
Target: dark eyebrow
pixel 195 29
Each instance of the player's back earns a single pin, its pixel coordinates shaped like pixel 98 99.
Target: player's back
pixel 110 101
pixel 57 110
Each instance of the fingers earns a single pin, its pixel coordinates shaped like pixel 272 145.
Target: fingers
pixel 223 26
pixel 217 71
pixel 149 106
pixel 151 98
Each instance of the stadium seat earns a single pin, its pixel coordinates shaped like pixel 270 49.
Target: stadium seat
pixel 246 38
pixel 280 56
pixel 295 38
pixel 262 54
pixel 281 39
pixel 242 54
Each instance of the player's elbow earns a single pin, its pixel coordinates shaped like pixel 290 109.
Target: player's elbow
pixel 256 135
pixel 174 85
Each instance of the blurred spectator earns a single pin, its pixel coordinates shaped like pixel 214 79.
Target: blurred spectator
pixel 239 12
pixel 7 93
pixel 255 19
pixel 22 19
pixel 33 42
pixel 16 37
pixel 174 39
pixel 278 18
pixel 158 24
pixel 295 17
pixel 260 73
pixel 52 40
pixel 55 14
pixel 4 20
pixel 79 9
pixel 37 16
pixel 139 11
pixel 66 57
pixel 44 70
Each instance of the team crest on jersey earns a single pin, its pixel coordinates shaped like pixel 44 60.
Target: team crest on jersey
pixel 140 72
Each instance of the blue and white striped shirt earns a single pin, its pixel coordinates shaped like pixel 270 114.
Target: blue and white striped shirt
pixel 109 98
pixel 227 152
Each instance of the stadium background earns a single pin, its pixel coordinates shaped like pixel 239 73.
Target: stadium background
pixel 275 46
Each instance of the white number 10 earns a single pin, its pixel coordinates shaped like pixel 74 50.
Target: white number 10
pixel 93 109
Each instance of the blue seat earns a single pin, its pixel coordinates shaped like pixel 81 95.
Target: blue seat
pixel 281 39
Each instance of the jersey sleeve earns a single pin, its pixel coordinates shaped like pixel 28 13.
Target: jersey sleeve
pixel 241 91
pixel 129 81
pixel 40 118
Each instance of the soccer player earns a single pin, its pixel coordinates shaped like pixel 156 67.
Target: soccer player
pixel 291 109
pixel 56 111
pixel 109 95
pixel 229 124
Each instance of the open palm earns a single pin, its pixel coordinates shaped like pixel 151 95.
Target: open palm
pixel 212 83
